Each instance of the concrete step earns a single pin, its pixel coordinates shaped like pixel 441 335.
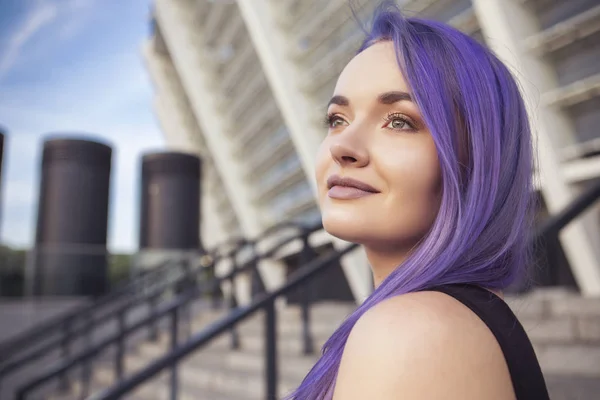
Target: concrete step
pixel 288 345
pixel 291 366
pixel 565 387
pixel 156 389
pixel 75 391
pixel 554 302
pixel 289 315
pixel 285 331
pixel 72 394
pixel 576 359
pixel 561 330
pixel 200 383
pixel 321 310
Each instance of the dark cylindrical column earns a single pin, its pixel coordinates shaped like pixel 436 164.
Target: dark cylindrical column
pixel 2 133
pixel 170 202
pixel 72 225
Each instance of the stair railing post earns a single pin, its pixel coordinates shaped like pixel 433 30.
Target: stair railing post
pixel 86 368
pixel 152 326
pixel 120 346
pixel 257 281
pixel 233 304
pixel 174 330
pixel 190 284
pixel 306 256
pixel 271 350
pixel 64 352
pixel 214 290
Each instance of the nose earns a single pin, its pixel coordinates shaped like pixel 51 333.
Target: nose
pixel 347 154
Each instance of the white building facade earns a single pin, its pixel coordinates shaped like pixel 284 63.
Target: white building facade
pixel 244 84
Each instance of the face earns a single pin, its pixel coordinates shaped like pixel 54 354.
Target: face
pixel 377 171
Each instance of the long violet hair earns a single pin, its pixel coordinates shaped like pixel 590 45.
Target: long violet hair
pixel 473 108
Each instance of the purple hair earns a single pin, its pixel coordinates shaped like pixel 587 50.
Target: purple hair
pixel 473 108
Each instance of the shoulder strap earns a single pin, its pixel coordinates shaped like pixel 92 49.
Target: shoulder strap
pixel 525 372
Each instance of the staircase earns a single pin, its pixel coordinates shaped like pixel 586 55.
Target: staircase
pixel 564 328
pixel 565 331
pixel 219 373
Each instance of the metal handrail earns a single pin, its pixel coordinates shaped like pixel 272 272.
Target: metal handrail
pixel 171 307
pixel 266 302
pixel 65 332
pixel 73 333
pixel 554 223
pixel 42 330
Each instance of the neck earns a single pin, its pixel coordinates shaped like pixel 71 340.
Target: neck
pixel 384 262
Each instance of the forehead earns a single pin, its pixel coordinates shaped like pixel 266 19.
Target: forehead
pixel 374 70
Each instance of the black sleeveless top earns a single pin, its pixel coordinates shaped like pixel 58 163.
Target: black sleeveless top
pixel 525 372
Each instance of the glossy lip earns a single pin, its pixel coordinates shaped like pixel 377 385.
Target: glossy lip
pixel 336 180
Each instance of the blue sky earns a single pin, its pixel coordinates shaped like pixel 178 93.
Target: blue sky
pixel 74 66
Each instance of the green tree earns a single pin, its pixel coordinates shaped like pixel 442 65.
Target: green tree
pixel 12 271
pixel 119 268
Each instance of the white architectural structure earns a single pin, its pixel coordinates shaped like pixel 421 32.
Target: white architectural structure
pixel 245 83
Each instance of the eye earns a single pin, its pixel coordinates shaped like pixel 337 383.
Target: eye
pixel 333 121
pixel 399 122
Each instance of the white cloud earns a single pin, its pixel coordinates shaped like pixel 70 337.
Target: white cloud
pixel 43 14
pixel 40 16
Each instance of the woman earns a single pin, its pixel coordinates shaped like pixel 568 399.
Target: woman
pixel 428 165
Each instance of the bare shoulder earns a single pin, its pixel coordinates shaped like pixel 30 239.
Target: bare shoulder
pixel 424 345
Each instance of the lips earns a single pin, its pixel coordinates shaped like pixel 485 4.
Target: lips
pixel 348 188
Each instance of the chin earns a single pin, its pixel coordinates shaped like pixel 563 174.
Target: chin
pixel 348 228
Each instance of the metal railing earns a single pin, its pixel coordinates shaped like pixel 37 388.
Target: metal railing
pixel 173 308
pixel 266 302
pixel 40 331
pixel 65 330
pixel 553 224
pixel 78 329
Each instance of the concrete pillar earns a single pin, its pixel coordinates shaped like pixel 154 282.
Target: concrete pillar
pixel 270 43
pixel 505 23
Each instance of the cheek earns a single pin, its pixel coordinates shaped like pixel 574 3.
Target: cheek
pixel 414 184
pixel 412 167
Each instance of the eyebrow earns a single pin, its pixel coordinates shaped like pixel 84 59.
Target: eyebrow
pixel 393 97
pixel 339 100
pixel 386 98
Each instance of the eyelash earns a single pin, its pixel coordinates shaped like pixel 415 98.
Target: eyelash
pixel 392 116
pixel 332 117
